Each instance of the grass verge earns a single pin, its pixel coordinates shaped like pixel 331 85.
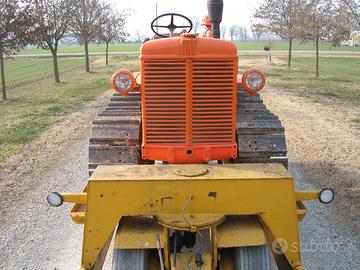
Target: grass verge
pixel 241 45
pixel 284 46
pixel 21 71
pixel 339 79
pixel 35 106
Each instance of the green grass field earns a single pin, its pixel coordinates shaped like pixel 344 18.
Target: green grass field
pixel 38 102
pixel 339 79
pixel 283 46
pixel 22 71
pixel 93 48
pixel 131 47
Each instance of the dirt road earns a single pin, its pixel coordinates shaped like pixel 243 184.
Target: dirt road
pixel 323 149
pixel 32 234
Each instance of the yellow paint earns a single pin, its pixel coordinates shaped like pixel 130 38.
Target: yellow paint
pixel 238 231
pixel 166 248
pixel 138 233
pixel 173 172
pixel 192 222
pixel 78 217
pixel 307 195
pixel 214 244
pixel 78 213
pixel 74 197
pixel 300 211
pixel 265 190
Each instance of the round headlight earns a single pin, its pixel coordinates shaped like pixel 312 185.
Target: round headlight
pixel 55 199
pixel 326 195
pixel 123 81
pixel 253 80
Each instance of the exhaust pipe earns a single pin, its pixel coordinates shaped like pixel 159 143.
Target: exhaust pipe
pixel 215 10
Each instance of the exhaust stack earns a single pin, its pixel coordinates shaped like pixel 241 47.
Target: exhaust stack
pixel 215 10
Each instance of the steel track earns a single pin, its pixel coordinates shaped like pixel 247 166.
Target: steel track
pixel 116 135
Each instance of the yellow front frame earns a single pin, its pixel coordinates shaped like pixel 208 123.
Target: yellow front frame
pixel 264 190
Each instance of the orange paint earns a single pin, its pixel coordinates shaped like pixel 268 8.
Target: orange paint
pixel 188 91
pixel 132 78
pixel 248 89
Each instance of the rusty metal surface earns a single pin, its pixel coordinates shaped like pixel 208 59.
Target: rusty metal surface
pixel 115 133
pixel 260 134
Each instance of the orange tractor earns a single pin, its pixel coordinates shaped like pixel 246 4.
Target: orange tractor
pixel 188 166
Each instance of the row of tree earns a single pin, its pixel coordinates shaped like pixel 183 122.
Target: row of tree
pixel 236 32
pixel 317 21
pixel 45 22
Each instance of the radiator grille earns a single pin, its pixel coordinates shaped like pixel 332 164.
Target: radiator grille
pixel 165 102
pixel 211 100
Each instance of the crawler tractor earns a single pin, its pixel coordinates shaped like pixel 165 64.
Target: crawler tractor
pixel 187 165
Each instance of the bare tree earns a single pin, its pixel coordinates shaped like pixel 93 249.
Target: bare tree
pixel 239 32
pixel 16 30
pixel 196 23
pixel 280 17
pixel 245 33
pixel 353 7
pixel 256 35
pixel 342 24
pixel 139 36
pixel 223 31
pixel 322 22
pixel 113 29
pixel 52 18
pixel 87 20
pixel 232 32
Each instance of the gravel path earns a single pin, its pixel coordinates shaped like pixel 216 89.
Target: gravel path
pixel 33 234
pixel 323 150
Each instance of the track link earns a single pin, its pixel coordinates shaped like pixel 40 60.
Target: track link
pixel 115 135
pixel 260 134
pixel 115 132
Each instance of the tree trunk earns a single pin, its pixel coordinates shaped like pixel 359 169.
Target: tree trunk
pixel 317 57
pixel 107 53
pixel 2 73
pixel 87 64
pixel 55 63
pixel 290 51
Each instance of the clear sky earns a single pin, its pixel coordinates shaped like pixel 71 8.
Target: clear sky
pixel 143 11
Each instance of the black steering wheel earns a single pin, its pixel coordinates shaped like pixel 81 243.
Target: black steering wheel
pixel 171 27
